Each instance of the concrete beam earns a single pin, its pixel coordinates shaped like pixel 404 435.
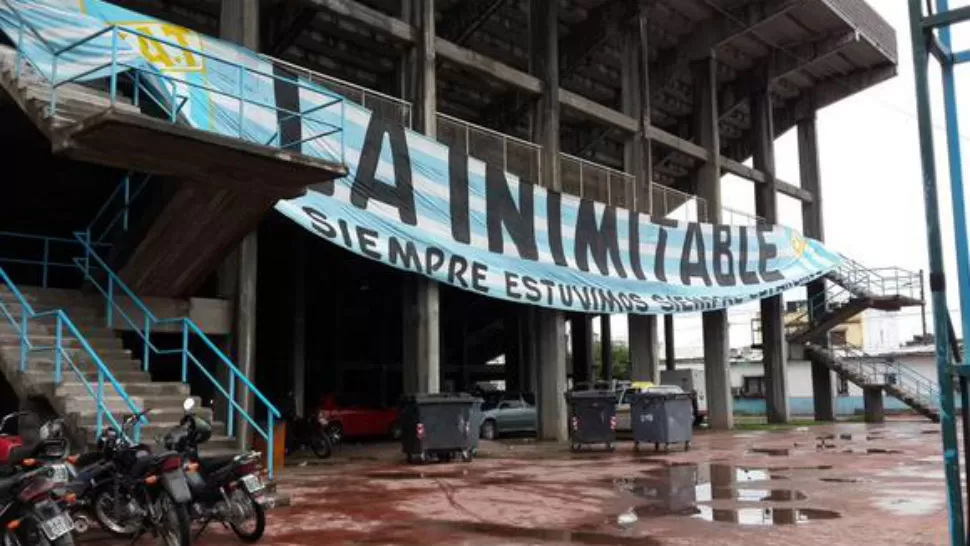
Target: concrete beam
pixel 708 183
pixel 774 345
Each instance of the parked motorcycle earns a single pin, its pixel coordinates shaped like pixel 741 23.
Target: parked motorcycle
pixel 225 489
pixel 132 491
pixel 314 432
pixel 30 514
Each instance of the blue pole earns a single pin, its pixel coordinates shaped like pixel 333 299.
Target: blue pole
pixel 111 300
pixel 124 219
pixel 23 338
pixel 937 276
pixel 114 64
pixel 231 424
pixel 956 179
pixel 185 351
pixel 58 349
pixel 270 449
pixel 47 252
pixel 100 400
pixel 146 353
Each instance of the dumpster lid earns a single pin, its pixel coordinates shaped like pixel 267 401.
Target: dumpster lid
pixel 440 398
pixel 598 394
pixel 663 391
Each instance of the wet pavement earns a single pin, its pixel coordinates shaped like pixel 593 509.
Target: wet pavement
pixel 843 484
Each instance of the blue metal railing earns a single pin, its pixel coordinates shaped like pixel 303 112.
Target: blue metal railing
pixel 64 332
pixel 131 186
pixel 170 84
pixel 97 272
pixel 48 249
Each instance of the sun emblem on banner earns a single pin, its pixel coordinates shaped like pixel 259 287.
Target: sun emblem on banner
pixel 157 43
pixel 798 244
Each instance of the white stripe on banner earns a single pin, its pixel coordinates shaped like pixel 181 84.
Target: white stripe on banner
pixel 413 204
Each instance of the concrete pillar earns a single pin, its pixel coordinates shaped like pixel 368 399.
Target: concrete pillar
pixel 239 23
pixel 638 160
pixel 581 338
pixel 298 309
pixel 707 181
pixel 823 390
pixel 550 339
pixel 550 325
pixel 644 349
pixel 774 345
pixel 670 350
pixel 422 348
pixel 606 346
pixel 875 410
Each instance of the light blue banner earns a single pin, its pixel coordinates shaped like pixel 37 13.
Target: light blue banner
pixel 412 203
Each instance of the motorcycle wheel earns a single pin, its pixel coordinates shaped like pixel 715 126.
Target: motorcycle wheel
pixel 173 527
pixel 104 513
pixel 320 444
pixel 257 516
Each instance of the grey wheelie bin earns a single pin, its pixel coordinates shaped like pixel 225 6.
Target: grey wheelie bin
pixel 592 418
pixel 440 426
pixel 662 415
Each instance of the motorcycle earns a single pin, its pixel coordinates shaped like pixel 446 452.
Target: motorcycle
pixel 30 512
pixel 132 491
pixel 316 432
pixel 12 437
pixel 225 489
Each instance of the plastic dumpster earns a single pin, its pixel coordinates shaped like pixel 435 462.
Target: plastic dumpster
pixel 662 415
pixel 440 426
pixel 592 418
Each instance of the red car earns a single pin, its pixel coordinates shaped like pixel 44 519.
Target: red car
pixel 360 421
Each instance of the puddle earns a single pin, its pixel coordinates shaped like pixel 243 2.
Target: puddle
pixel 906 502
pixel 544 535
pixel 772 451
pixel 394 475
pixel 764 516
pixel 842 480
pixel 871 451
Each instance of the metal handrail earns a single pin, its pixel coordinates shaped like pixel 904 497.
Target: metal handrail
pixel 61 354
pixel 872 368
pixel 124 189
pixel 45 262
pixel 188 330
pixel 117 66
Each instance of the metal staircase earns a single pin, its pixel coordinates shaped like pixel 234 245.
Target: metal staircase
pixel 852 289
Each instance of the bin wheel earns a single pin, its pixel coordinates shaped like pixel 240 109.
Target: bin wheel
pixel 666 447
pixel 422 457
pixel 575 447
pixel 609 447
pixel 656 446
pixel 686 446
pixel 466 456
pixel 636 446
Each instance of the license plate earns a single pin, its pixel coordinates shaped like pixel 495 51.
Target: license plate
pixel 57 527
pixel 252 483
pixel 60 473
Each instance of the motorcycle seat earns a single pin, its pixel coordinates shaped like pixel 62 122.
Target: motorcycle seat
pixel 215 462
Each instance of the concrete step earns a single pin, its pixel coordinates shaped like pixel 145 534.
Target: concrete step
pixel 74 312
pixel 160 420
pixel 34 327
pixel 87 406
pixel 162 392
pixel 121 376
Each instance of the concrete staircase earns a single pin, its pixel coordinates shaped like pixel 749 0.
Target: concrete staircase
pixel 33 93
pixel 71 399
pixel 854 289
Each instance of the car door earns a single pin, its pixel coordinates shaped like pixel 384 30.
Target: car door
pixel 530 420
pixel 505 416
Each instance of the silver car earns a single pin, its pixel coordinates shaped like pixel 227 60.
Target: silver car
pixel 513 413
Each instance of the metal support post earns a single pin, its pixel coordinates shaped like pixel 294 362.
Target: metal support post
pixel 937 276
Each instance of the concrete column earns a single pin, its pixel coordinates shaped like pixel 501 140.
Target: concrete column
pixel 581 338
pixel 550 325
pixel 823 390
pixel 670 350
pixel 707 181
pixel 298 307
pixel 550 338
pixel 638 160
pixel 774 345
pixel 606 346
pixel 422 348
pixel 644 349
pixel 875 410
pixel 239 23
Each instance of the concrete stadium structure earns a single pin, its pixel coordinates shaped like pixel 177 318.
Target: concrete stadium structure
pixel 641 104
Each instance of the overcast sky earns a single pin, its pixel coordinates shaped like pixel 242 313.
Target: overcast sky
pixel 871 181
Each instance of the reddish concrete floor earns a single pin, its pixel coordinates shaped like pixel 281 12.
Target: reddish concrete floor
pixel 843 484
